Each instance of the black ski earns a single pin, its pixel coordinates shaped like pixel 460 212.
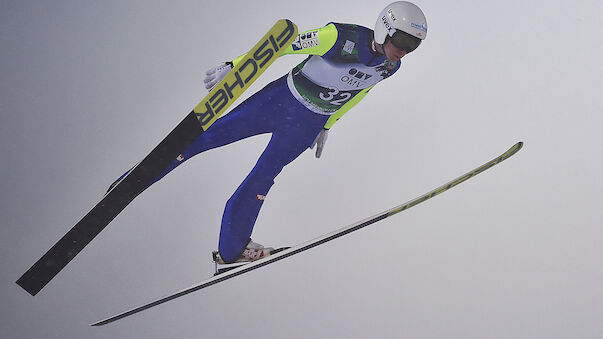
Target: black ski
pixel 194 124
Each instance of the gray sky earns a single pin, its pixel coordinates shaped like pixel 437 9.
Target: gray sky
pixel 88 88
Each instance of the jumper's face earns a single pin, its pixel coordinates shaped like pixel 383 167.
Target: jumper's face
pixel 399 44
pixel 392 52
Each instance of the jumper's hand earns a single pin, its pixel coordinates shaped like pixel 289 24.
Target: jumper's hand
pixel 215 74
pixel 320 142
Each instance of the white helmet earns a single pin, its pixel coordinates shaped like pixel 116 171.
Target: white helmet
pixel 401 16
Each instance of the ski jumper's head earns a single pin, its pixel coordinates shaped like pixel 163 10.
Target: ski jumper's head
pixel 400 28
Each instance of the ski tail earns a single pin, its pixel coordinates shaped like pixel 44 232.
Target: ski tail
pixel 120 196
pixel 316 242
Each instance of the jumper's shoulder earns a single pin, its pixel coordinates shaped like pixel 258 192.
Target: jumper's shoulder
pixel 351 31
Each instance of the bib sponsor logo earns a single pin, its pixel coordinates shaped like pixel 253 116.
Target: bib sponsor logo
pixel 359 75
pixel 306 40
pixel 260 197
pixel 355 78
pixel 386 68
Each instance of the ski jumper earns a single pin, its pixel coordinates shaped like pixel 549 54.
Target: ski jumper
pixel 340 70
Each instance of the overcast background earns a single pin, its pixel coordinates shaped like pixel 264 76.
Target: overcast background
pixel 88 88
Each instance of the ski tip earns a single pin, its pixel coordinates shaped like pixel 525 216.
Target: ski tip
pixel 514 149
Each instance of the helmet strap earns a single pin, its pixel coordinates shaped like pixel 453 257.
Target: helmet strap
pixel 374 47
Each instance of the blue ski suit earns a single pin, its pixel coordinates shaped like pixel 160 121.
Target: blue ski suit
pixel 341 68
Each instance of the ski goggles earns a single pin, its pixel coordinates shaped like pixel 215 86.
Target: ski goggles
pixel 404 41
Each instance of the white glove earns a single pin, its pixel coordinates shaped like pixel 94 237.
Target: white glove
pixel 320 142
pixel 216 74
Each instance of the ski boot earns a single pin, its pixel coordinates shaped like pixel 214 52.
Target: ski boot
pixel 252 252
